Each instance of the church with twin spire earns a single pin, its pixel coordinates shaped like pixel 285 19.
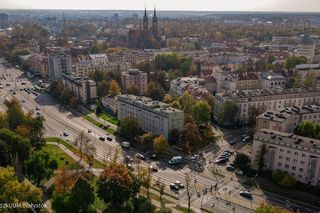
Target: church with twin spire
pixel 146 36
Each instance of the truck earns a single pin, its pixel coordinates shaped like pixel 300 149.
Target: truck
pixel 175 160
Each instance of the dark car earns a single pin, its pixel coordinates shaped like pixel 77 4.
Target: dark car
pixel 230 168
pixel 221 161
pixel 102 138
pixel 140 156
pixel 246 194
pixel 174 187
pixel 109 138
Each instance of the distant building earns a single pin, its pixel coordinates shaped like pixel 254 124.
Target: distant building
pixel 308 51
pixel 59 64
pixel 153 116
pixel 81 86
pixel 271 80
pixel 299 156
pixel 145 37
pixel 134 78
pixel 4 20
pixel 38 64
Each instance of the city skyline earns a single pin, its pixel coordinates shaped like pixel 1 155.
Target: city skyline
pixel 201 5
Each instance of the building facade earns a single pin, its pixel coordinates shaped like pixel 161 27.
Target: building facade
pixel 264 100
pixel 286 119
pixel 299 156
pixel 81 86
pixel 134 78
pixel 59 64
pixel 38 64
pixel 153 116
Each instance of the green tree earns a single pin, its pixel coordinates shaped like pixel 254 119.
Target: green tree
pixel 40 166
pixel 306 128
pixel 155 91
pixel 129 128
pixel 102 88
pixel 114 88
pixel 293 61
pixel 242 162
pixel 61 202
pixel 201 112
pixel 282 178
pixel 82 195
pixel 190 136
pixel 160 144
pixel 227 115
pixel 186 101
pixel 174 136
pixel 147 139
pixel 260 157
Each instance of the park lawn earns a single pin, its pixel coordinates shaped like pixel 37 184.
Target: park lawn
pixel 96 164
pixel 109 118
pixel 61 157
pixel 98 124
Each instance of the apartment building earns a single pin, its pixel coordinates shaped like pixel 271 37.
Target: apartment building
pixel 131 56
pixel 59 64
pixel 305 70
pixel 87 67
pixel 153 116
pixel 299 156
pixel 271 80
pixel 248 81
pixel 98 58
pixel 263 100
pixel 134 78
pixel 306 50
pixel 38 64
pixel 81 86
pixel 286 119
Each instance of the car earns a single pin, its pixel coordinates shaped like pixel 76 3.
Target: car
pixel 128 159
pixel 174 187
pixel 14 93
pixel 245 194
pixel 102 138
pixel 175 160
pixel 38 114
pixel 140 156
pixel 153 168
pixel 194 157
pixel 130 167
pixel 125 144
pixel 153 157
pixel 1 87
pixel 222 157
pixel 29 92
pixel 37 108
pixel 65 134
pixel 11 90
pixel 89 131
pixel 232 142
pixel 220 161
pixel 230 168
pixel 23 101
pixel 179 184
pixel 23 83
pixel 109 138
pixel 7 84
pixel 225 154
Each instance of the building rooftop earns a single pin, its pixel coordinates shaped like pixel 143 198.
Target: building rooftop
pixel 307 66
pixel 266 92
pixel 148 103
pixel 272 76
pixel 77 78
pixel 288 140
pixel 287 112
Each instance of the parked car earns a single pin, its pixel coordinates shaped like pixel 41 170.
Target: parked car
pixel 153 168
pixel 109 138
pixel 230 168
pixel 175 160
pixel 194 157
pixel 125 144
pixel 220 161
pixel 37 108
pixel 245 194
pixel 89 131
pixel 178 183
pixel 102 138
pixel 65 134
pixel 127 159
pixel 140 156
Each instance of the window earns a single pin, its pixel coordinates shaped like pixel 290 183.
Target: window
pixel 287 159
pixel 294 160
pixel 280 157
pixel 286 166
pixel 302 162
pixel 289 151
pixel 303 155
pixel 281 150
pixel 279 164
pixel 294 168
pixel 296 153
pixel 301 170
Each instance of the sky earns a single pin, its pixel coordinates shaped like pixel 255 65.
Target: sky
pixel 198 5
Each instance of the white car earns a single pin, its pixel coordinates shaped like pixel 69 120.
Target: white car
pixel 125 144
pixel 178 183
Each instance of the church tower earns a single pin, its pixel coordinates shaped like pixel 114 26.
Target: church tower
pixel 145 20
pixel 155 23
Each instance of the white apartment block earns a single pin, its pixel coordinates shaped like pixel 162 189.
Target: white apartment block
pixel 89 67
pixel 299 156
pixel 286 119
pixel 59 64
pixel 134 78
pixel 264 100
pixel 81 86
pixel 153 116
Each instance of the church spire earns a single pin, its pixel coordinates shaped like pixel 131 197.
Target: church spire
pixel 145 20
pixel 154 12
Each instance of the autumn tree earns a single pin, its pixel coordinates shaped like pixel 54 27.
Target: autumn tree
pixel 201 112
pixel 191 137
pixel 129 128
pixel 147 139
pixel 155 91
pixel 176 105
pixel 208 133
pixel 133 90
pixel 160 144
pixel 187 102
pixel 114 88
pixel 227 115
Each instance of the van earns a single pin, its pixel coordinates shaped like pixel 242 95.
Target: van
pixel 175 160
pixel 125 144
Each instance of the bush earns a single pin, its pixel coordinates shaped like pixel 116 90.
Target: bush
pixel 282 178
